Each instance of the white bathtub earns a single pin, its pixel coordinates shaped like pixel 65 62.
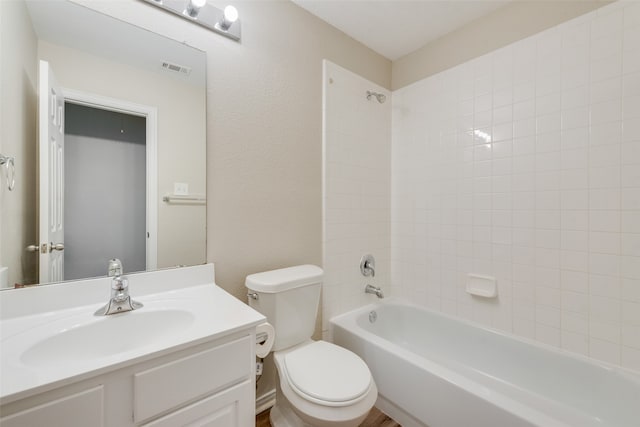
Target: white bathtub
pixel 434 370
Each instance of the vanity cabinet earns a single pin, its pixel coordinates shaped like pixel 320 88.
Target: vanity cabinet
pixel 211 384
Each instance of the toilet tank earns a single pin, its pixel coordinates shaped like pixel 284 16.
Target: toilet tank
pixel 289 299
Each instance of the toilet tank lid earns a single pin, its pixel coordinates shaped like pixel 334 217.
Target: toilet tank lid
pixel 284 278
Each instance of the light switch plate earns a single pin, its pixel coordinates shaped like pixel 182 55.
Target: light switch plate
pixel 180 189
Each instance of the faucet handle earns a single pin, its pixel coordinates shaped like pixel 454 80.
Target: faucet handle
pixel 115 267
pixel 368 265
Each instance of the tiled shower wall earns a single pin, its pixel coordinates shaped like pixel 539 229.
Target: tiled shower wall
pixel 357 189
pixel 524 164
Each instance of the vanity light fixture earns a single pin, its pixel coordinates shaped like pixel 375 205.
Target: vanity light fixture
pixel 200 12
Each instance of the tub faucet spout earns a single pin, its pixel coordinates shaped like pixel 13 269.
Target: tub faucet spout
pixel 369 289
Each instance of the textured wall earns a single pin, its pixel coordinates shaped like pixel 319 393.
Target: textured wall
pixel 18 86
pixel 523 164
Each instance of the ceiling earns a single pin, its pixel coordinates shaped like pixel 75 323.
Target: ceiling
pixel 394 28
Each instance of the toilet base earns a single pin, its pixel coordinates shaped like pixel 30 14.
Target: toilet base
pixel 283 416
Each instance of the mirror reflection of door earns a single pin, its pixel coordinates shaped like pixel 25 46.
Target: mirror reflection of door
pixel 51 148
pixel 94 200
pixel 105 184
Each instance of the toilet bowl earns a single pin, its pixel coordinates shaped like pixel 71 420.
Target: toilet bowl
pixel 318 384
pixel 322 385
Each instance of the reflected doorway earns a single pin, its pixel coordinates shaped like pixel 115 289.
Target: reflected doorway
pixel 105 190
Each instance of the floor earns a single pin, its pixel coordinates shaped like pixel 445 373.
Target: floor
pixel 374 419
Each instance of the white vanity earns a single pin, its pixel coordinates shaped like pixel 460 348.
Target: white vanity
pixel 186 358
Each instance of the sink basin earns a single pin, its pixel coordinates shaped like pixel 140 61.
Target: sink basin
pixel 107 336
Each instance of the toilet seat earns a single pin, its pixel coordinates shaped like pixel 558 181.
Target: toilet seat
pixel 312 382
pixel 326 374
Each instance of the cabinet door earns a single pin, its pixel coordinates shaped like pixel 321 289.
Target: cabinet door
pixel 79 409
pixel 234 407
pixel 171 385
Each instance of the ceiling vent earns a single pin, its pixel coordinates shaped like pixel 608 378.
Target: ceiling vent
pixel 176 68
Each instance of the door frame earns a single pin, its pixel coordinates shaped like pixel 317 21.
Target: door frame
pixel 151 115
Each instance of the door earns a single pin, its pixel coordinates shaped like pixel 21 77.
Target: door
pixel 51 172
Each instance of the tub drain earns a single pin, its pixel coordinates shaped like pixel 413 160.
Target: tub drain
pixel 373 316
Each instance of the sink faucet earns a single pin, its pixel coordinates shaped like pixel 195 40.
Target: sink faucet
pixel 369 289
pixel 120 300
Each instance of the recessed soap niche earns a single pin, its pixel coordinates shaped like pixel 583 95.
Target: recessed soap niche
pixel 482 286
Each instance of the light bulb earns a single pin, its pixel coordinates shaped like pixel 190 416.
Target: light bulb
pixel 229 16
pixel 194 6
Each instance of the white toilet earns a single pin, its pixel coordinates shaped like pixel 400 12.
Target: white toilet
pixel 319 384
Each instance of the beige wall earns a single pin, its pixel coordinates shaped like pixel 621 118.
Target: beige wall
pixel 181 138
pixel 265 139
pixel 18 81
pixel 516 21
pixel 264 129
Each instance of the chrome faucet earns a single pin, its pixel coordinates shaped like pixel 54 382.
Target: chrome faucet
pixel 120 300
pixel 368 266
pixel 369 289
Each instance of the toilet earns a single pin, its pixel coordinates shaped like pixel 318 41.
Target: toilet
pixel 318 384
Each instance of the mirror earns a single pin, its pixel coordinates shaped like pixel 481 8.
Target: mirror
pixel 130 107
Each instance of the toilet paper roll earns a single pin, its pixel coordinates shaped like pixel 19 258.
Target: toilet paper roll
pixel 263 349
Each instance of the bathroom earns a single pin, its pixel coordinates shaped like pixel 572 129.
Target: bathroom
pixel 554 221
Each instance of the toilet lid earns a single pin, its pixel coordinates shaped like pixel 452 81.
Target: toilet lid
pixel 324 372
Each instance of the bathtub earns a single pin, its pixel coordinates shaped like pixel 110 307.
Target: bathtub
pixel 434 370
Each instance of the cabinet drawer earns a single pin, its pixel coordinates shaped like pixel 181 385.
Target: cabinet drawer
pixel 170 385
pixel 230 408
pixel 79 409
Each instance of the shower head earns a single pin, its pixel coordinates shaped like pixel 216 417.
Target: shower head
pixel 380 97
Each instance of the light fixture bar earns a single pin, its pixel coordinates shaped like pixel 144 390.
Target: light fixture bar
pixel 201 13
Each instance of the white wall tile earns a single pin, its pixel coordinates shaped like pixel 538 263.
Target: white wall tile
pixel 631 84
pixel 631 61
pixel 605 176
pixel 550 204
pixel 630 244
pixel 604 199
pixel 606 331
pixel 606 90
pixel 604 350
pixel 605 243
pixel 575 281
pixel 605 286
pixel 630 358
pixel 630 198
pixel 356 192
